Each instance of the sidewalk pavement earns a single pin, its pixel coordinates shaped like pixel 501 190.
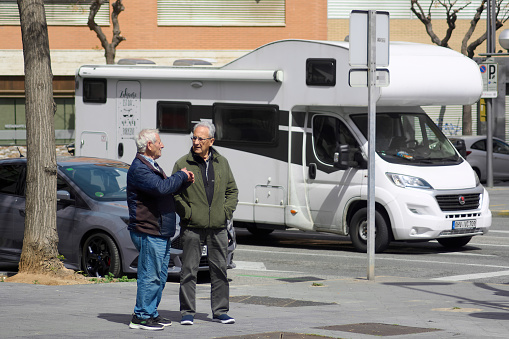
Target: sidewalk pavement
pixel 499 199
pixel 272 305
pixel 267 307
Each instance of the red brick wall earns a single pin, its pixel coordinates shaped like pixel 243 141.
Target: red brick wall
pixel 414 31
pixel 305 19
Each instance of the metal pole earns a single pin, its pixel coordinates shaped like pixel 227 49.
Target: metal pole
pixel 493 30
pixel 489 142
pixel 371 141
pixel 490 48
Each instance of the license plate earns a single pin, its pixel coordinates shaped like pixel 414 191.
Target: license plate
pixel 457 224
pixel 204 249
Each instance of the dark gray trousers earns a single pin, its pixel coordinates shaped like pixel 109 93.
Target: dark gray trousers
pixel 217 245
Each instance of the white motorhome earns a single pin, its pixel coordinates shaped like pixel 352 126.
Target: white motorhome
pixel 295 134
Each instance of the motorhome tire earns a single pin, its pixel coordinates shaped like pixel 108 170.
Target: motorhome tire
pixel 259 231
pixel 454 242
pixel 100 256
pixel 359 231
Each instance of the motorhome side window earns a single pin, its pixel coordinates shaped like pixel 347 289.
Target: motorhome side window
pixel 328 134
pixel 173 117
pixel 94 90
pixel 321 72
pixel 251 124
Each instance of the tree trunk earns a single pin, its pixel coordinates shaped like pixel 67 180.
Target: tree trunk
pixel 39 254
pixel 467 120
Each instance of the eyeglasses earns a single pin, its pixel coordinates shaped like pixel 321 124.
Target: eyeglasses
pixel 194 138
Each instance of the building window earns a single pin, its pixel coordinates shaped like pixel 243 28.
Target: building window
pixel 221 12
pixel 246 124
pixel 58 12
pixel 173 117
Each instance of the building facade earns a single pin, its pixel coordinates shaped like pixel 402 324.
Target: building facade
pixel 215 30
pixel 159 30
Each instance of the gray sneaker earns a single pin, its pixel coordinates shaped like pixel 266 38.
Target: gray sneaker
pixel 145 324
pixel 162 321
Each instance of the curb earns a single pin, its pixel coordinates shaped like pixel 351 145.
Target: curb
pixel 501 213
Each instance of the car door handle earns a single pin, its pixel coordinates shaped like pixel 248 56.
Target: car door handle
pixel 22 213
pixel 312 170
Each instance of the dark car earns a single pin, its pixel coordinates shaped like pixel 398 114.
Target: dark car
pixel 92 217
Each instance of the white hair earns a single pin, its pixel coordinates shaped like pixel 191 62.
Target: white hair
pixel 207 124
pixel 144 137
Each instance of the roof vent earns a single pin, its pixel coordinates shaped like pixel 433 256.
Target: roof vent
pixel 135 62
pixel 191 62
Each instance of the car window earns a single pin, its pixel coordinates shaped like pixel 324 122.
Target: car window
pixel 328 134
pixel 479 145
pixel 500 147
pixel 102 182
pixel 10 178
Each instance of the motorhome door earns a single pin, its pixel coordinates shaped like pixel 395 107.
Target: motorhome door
pixel 328 187
pixel 128 118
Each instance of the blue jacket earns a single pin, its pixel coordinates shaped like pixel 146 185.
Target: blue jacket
pixel 150 198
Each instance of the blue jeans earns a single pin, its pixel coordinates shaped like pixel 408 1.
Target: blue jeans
pixel 152 272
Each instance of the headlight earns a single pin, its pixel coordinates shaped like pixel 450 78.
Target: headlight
pixel 401 180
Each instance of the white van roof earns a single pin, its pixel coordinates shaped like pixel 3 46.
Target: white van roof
pixel 420 74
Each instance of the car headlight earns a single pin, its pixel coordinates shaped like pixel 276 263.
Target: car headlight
pixel 401 180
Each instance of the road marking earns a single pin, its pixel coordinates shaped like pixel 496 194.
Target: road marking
pixel 256 266
pixel 464 254
pixel 497 231
pixel 250 265
pixel 492 245
pixel 363 257
pixel 473 276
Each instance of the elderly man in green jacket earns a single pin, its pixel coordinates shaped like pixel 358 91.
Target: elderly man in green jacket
pixel 204 209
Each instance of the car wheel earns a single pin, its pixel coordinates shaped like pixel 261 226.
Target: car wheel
pixel 359 231
pixel 100 256
pixel 454 242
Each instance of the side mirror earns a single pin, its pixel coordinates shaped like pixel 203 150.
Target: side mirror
pixel 461 147
pixel 63 195
pixel 341 157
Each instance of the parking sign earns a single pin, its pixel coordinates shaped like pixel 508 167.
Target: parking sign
pixel 489 74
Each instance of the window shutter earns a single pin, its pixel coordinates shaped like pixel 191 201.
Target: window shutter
pixel 58 12
pixel 399 9
pixel 221 12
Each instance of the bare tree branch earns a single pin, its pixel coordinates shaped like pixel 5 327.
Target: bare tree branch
pixel 109 48
pixel 426 20
pixel 502 15
pixel 468 34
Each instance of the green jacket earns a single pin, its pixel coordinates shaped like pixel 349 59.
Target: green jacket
pixel 191 202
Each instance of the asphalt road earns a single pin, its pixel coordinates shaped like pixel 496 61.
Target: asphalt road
pixel 485 259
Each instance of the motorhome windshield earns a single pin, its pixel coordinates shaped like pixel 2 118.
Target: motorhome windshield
pixel 409 138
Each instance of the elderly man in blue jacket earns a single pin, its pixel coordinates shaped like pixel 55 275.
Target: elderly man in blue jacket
pixel 152 223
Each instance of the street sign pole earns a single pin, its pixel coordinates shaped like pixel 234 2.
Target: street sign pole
pixel 372 98
pixel 365 54
pixel 491 17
